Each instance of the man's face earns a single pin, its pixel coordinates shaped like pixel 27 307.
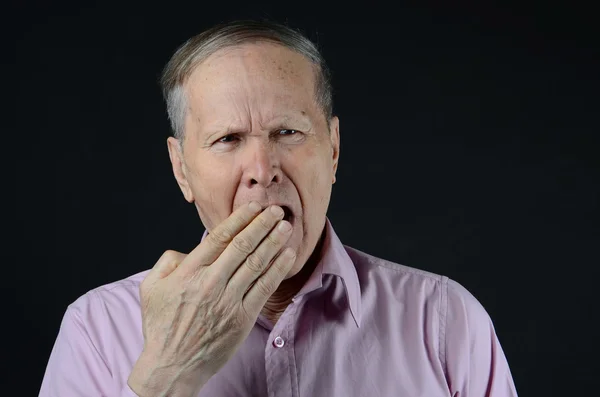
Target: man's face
pixel 255 132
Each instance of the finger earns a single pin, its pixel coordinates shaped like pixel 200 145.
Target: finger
pixel 244 243
pixel 165 265
pixel 267 284
pixel 258 261
pixel 219 238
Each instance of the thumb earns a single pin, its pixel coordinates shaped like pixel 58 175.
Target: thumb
pixel 165 265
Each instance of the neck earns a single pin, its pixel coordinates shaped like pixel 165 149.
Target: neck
pixel 282 297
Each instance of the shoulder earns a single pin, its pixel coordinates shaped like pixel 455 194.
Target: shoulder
pixel 106 321
pixel 458 325
pixel 371 268
pixel 117 294
pixel 108 312
pixel 460 298
pixel 99 340
pixel 452 301
pixel 465 316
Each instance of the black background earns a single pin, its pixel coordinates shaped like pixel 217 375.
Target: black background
pixel 469 148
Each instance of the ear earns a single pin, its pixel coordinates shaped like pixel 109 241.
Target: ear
pixel 179 169
pixel 334 135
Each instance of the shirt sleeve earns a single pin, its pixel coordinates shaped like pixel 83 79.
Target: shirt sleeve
pixel 75 367
pixel 475 362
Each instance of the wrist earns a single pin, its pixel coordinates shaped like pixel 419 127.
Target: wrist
pixel 148 378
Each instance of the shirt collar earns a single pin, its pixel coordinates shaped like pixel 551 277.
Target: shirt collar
pixel 335 261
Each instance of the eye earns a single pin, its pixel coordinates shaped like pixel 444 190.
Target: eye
pixel 287 132
pixel 227 138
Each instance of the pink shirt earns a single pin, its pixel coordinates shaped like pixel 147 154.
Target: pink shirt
pixel 361 326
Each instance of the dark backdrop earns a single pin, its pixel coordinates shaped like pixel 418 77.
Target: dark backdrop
pixel 469 148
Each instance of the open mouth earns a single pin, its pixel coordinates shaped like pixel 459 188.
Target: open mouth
pixel 288 215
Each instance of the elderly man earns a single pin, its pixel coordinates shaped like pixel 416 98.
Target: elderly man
pixel 270 303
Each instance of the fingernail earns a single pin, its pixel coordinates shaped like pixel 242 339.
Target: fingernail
pixel 254 206
pixel 276 210
pixel 284 226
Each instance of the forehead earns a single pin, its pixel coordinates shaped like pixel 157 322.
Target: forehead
pixel 274 60
pixel 247 75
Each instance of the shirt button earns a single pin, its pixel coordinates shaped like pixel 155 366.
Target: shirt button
pixel 278 342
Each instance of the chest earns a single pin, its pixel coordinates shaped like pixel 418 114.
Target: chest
pixel 331 357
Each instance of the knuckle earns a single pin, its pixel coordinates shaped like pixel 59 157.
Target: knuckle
pixel 219 238
pixel 172 257
pixel 236 219
pixel 255 263
pixel 208 288
pixel 264 286
pixel 281 266
pixel 232 319
pixel 242 244
pixel 264 223
pixel 272 240
pixel 168 255
pixel 277 269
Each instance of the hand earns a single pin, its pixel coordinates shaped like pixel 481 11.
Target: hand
pixel 198 309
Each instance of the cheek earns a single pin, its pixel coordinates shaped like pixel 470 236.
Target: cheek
pixel 313 168
pixel 318 182
pixel 214 190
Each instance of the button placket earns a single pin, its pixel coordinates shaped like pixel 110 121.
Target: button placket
pixel 280 366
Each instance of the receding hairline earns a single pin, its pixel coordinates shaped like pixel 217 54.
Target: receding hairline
pixel 188 68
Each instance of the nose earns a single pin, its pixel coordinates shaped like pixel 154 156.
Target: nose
pixel 262 166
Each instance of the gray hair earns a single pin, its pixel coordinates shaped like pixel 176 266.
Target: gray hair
pixel 200 47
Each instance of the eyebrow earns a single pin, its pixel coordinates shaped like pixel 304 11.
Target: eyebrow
pixel 301 122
